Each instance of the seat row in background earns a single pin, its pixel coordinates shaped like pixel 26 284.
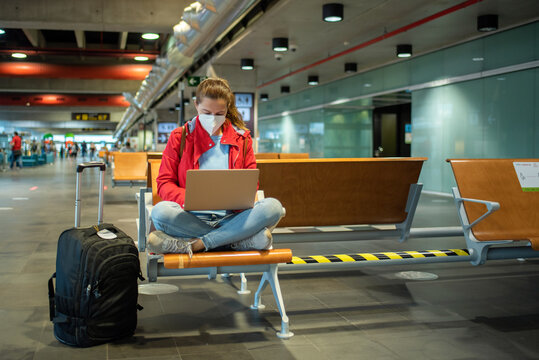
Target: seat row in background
pixel 130 168
pixel 34 160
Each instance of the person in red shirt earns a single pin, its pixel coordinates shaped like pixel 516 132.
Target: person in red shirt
pixel 215 139
pixel 16 153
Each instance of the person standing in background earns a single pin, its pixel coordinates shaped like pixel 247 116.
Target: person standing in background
pixel 84 149
pixel 16 153
pixel 92 151
pixel 127 147
pixel 33 147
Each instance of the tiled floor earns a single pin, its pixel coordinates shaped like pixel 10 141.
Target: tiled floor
pixel 486 312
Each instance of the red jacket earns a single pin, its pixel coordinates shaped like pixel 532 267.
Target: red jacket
pixel 172 173
pixel 16 143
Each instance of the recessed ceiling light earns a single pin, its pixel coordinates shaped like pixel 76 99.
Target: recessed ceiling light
pixel 2 31
pixel 141 58
pixel 487 23
pixel 350 67
pixel 478 59
pixel 332 12
pixel 367 85
pixel 264 97
pixel 19 55
pixel 285 89
pixel 150 36
pixel 313 80
pixel 280 44
pixel 404 50
pixel 247 64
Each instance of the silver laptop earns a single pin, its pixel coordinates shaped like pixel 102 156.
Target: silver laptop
pixel 220 189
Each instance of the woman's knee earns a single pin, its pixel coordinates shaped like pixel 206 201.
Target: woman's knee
pixel 165 211
pixel 273 209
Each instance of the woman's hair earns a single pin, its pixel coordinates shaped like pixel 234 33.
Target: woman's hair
pixel 217 88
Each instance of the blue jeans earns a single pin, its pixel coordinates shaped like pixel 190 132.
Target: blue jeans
pixel 16 159
pixel 215 231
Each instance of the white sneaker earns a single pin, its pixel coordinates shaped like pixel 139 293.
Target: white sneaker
pixel 161 243
pixel 262 240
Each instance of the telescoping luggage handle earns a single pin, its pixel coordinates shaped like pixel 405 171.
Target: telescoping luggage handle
pixel 80 168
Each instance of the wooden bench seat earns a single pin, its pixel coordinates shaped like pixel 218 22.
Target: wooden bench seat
pixel 512 214
pixel 129 168
pixel 343 191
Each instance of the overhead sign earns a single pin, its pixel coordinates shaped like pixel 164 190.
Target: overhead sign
pixel 195 80
pixel 90 116
pixel 166 127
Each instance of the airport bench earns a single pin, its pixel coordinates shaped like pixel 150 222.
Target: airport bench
pixel 509 189
pixel 129 168
pixel 212 263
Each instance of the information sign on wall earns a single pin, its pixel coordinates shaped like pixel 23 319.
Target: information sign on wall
pixel 90 116
pixel 244 103
pixel 163 131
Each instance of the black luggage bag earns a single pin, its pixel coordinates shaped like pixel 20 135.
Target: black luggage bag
pixel 96 274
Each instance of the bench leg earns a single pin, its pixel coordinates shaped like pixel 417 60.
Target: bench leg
pixel 243 290
pixel 152 268
pixel 272 278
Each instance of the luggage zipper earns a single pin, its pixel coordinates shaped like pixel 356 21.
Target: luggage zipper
pixel 84 249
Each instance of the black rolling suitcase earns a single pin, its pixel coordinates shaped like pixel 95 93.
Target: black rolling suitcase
pixel 97 268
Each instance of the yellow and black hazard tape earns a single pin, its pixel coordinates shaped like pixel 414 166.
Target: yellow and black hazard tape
pixel 399 255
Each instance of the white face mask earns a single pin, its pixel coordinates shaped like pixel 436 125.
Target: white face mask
pixel 211 123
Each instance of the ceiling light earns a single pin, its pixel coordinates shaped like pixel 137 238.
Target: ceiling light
pixel 350 67
pixel 181 27
pixel 478 59
pixel 264 97
pixel 141 58
pixel 247 64
pixel 150 36
pixel 2 31
pixel 285 89
pixel 332 12
pixel 404 50
pixel 313 80
pixel 487 23
pixel 19 55
pixel 280 44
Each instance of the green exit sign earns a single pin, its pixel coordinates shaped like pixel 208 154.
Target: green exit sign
pixel 195 80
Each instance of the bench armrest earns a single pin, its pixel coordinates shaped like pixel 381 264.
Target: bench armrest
pixel 492 206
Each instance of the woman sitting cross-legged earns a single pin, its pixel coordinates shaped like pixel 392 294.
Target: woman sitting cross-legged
pixel 215 139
